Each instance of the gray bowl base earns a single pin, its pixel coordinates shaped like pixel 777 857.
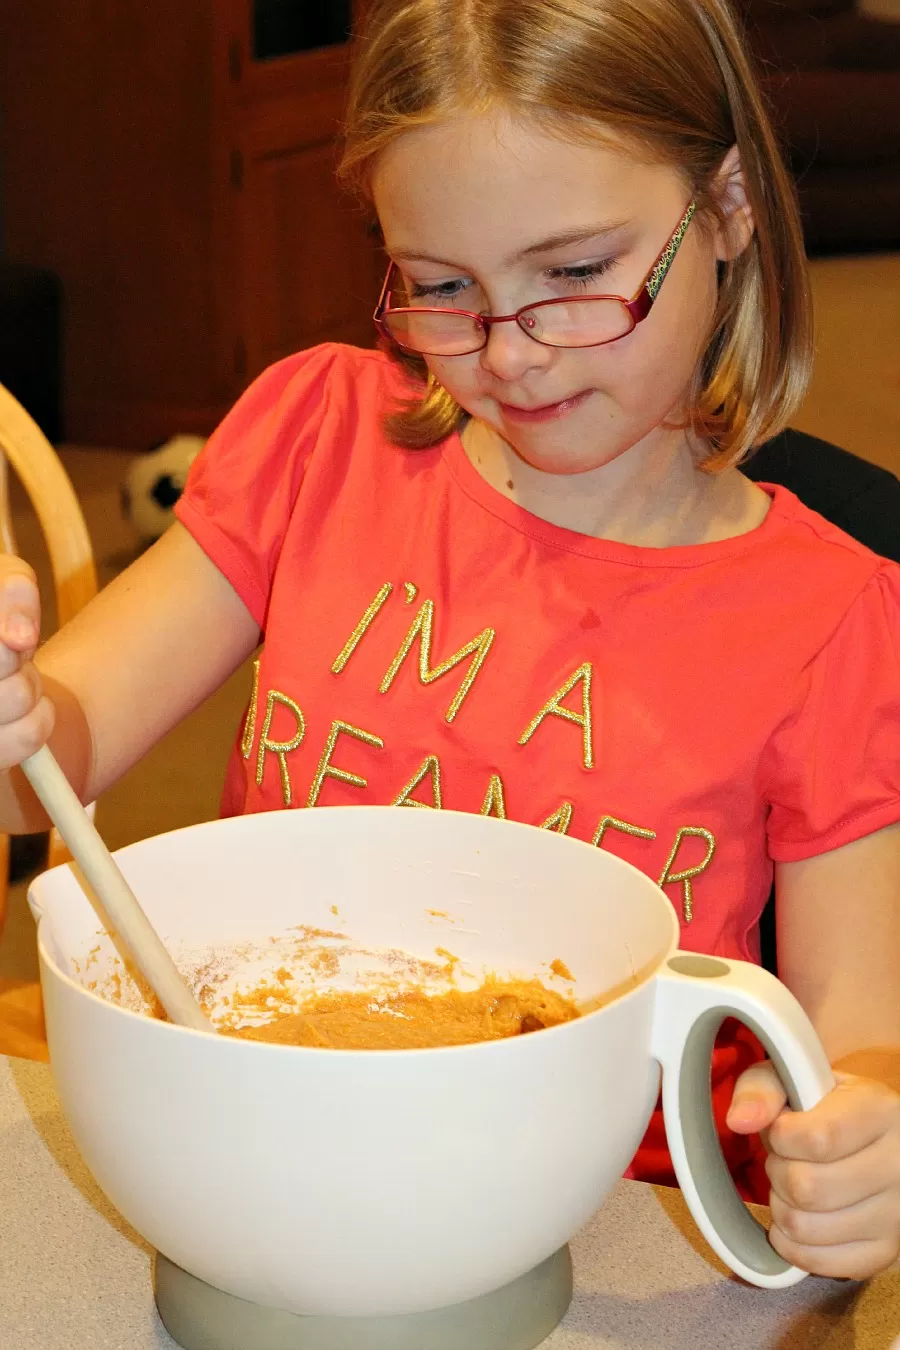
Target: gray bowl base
pixel 518 1317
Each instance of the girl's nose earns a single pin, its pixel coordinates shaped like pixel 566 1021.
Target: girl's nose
pixel 510 353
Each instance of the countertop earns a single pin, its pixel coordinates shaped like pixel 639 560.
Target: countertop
pixel 74 1276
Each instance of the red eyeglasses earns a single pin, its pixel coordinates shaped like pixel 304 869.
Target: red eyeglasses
pixel 582 321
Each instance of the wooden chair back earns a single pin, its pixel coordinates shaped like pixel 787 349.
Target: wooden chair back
pixel 26 451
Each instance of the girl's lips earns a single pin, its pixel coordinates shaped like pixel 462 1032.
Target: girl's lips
pixel 546 414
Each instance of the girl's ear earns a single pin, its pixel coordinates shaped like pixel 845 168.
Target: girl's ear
pixel 735 234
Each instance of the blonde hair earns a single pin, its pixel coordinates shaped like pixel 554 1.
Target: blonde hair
pixel 670 75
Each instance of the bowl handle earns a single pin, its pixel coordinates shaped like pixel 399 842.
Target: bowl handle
pixel 694 994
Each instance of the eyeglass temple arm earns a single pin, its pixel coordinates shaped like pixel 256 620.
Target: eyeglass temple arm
pixel 385 292
pixel 642 303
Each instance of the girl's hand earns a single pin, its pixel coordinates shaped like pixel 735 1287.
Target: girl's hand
pixel 835 1171
pixel 26 716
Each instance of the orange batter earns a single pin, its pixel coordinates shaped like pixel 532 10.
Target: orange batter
pixel 415 1020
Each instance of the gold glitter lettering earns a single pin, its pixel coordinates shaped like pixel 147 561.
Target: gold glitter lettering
pixel 688 874
pixel 560 820
pixel 362 628
pixel 327 770
pixel 494 803
pixel 280 748
pixel 423 628
pixel 430 769
pixel 250 723
pixel 412 591
pixel 610 823
pixel 584 719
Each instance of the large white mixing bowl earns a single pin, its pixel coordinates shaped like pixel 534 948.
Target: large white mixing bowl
pixel 377 1183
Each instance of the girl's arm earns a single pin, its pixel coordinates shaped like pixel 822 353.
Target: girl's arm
pixel 140 657
pixel 838 931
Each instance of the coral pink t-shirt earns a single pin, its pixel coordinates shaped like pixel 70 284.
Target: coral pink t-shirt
pixel 700 711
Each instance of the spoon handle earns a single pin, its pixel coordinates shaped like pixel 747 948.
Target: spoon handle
pixel 122 912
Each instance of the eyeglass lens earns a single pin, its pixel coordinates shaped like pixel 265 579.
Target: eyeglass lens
pixel 578 323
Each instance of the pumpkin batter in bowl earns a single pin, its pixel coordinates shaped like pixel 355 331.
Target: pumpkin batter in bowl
pixel 416 1020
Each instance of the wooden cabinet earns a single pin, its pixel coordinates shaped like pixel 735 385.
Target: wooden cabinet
pixel 173 163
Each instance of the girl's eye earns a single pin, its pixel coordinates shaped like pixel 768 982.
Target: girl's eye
pixel 582 275
pixel 441 290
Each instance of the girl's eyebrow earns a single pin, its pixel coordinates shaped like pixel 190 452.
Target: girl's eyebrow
pixel 561 240
pixel 567 237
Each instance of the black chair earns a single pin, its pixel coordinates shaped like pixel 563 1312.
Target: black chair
pixel 30 343
pixel 860 498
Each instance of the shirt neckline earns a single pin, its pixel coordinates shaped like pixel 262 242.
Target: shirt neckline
pixel 470 481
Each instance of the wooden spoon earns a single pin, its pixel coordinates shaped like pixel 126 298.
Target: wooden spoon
pixel 121 910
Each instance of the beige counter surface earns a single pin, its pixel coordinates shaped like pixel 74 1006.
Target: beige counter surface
pixel 74 1276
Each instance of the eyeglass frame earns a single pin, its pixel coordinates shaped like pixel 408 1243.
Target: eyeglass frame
pixel 637 308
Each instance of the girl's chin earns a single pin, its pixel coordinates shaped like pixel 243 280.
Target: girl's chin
pixel 564 462
pixel 553 450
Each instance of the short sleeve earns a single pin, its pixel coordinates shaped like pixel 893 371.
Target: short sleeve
pixel 833 767
pixel 241 489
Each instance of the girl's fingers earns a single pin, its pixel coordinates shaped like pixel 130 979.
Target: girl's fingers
pixel 27 735
pixel 10 660
pixel 26 717
pixel 19 693
pixel 827 1187
pixel 835 1174
pixel 759 1099
pixel 871 1220
pixel 20 606
pixel 851 1261
pixel 20 632
pixel 853 1116
pixel 859 1260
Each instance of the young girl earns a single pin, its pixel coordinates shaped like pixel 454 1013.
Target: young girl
pixel 508 564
